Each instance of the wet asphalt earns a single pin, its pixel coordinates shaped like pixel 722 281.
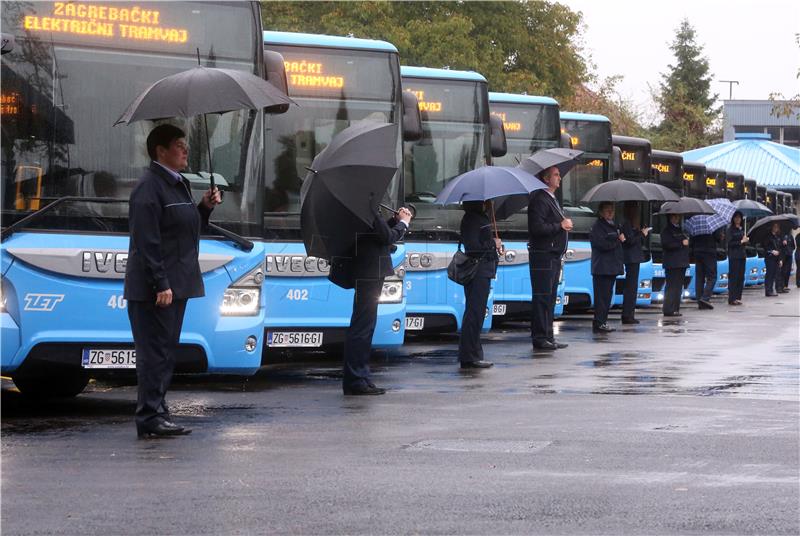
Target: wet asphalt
pixel 674 426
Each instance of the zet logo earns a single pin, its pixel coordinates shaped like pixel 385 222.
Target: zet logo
pixel 42 302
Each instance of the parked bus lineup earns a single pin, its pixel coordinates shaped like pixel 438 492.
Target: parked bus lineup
pixel 63 317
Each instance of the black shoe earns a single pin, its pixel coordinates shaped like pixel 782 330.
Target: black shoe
pixel 476 364
pixel 161 429
pixel 629 321
pixel 559 345
pixel 365 390
pixel 546 345
pixel 784 291
pixel 703 304
pixel 771 295
pixel 603 328
pixel 673 314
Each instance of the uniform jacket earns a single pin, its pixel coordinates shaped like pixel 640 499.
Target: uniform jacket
pixel 476 234
pixel 370 258
pixel 164 238
pixel 607 257
pixel 676 255
pixel 632 248
pixel 735 248
pixel 772 242
pixel 544 224
pixel 788 249
pixel 706 243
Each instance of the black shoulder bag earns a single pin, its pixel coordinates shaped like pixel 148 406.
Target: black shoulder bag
pixel 462 267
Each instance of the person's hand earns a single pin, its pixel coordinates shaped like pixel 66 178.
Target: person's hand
pixel 646 231
pixel 745 239
pixel 566 224
pixel 775 252
pixel 164 298
pixel 498 244
pixel 621 237
pixel 685 242
pixel 784 242
pixel 404 215
pixel 212 198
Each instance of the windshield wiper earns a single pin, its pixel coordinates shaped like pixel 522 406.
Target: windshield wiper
pixel 242 242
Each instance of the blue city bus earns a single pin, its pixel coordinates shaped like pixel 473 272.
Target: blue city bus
pixel 668 171
pixel 456 138
pixel 754 263
pixel 67 174
pixel 531 123
pixel 636 165
pixel 592 134
pixel 336 81
pixel 761 197
pixel 694 176
pixel 715 181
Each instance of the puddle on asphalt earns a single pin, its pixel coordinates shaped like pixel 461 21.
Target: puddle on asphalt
pixel 479 445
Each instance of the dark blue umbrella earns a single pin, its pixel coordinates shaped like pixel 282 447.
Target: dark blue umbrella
pixel 489 182
pixel 751 208
pixel 563 159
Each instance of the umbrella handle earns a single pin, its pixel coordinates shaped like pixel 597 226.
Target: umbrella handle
pixel 494 222
pixel 208 146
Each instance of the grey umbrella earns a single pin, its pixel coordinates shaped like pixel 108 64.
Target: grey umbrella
pixel 687 206
pixel 622 190
pixel 204 90
pixel 750 208
pixel 563 159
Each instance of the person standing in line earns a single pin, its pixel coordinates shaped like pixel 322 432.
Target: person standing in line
pixel 476 234
pixel 772 259
pixel 797 259
pixel 548 230
pixel 676 260
pixel 364 270
pixel 633 253
pixel 704 247
pixel 737 258
pixel 162 271
pixel 607 263
pixel 787 254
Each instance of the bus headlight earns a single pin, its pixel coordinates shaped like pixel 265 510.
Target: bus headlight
pixel 724 276
pixel 753 270
pixel 392 291
pixel 2 298
pixel 646 283
pixel 243 296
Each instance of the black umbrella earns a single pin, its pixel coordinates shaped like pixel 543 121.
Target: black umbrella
pixel 346 182
pixel 659 192
pixel 750 208
pixel 204 90
pixel 687 206
pixel 621 190
pixel 563 159
pixel 758 232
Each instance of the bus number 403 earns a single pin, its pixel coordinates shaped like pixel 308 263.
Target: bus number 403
pixel 117 301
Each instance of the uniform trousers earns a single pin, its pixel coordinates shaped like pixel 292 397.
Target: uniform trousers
pixel 771 263
pixel 358 340
pixel 735 279
pixel 630 290
pixel 544 269
pixel 705 275
pixel 603 287
pixel 673 289
pixel 477 294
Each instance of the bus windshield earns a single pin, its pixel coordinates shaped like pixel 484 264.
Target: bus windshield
pixel 72 72
pixel 334 89
pixel 455 140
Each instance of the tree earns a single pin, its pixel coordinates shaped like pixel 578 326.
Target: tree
pixel 684 99
pixel 783 107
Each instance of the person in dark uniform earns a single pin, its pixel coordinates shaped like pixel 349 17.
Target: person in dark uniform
pixel 607 263
pixel 676 260
pixel 787 252
pixel 772 259
pixel 737 259
pixel 633 254
pixel 162 271
pixel 547 230
pixel 797 259
pixel 704 248
pixel 476 234
pixel 365 270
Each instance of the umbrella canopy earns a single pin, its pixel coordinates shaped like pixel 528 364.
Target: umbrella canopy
pixel 750 208
pixel 563 159
pixel 489 182
pixel 203 90
pixel 686 206
pixel 622 190
pixel 707 224
pixel 758 232
pixel 346 182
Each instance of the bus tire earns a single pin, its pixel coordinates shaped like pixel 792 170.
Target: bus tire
pixel 42 387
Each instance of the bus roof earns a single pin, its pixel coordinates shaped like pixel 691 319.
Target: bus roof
pixel 513 98
pixel 735 175
pixel 444 74
pixel 666 155
pixel 716 171
pixel 628 140
pixel 326 41
pixel 579 116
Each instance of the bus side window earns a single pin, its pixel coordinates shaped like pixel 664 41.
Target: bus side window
pixel 29 188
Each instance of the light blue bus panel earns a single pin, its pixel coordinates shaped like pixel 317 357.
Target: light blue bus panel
pixel 66 177
pixel 456 139
pixel 337 82
pixel 753 274
pixel 531 123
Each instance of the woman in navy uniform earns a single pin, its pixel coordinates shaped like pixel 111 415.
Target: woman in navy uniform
pixel 364 270
pixel 162 272
pixel 633 254
pixel 737 258
pixel 704 248
pixel 607 263
pixel 675 244
pixel 476 234
pixel 797 259
pixel 772 260
pixel 787 252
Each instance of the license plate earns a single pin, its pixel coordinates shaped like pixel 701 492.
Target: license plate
pixel 108 358
pixel 415 323
pixel 566 299
pixel 290 339
pixel 498 309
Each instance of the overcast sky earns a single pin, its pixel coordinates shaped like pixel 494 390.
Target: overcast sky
pixel 749 41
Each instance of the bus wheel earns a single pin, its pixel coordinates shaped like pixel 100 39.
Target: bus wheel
pixel 62 386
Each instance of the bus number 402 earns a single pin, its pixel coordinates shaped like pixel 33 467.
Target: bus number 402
pixel 300 294
pixel 117 301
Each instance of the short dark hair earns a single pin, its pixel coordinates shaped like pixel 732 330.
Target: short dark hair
pixel 162 136
pixel 605 204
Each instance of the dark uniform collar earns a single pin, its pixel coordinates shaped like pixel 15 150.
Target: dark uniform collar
pixel 173 177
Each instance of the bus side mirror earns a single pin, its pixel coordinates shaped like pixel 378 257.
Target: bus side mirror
pixel 275 71
pixel 566 141
pixel 497 136
pixel 8 43
pixel 616 158
pixel 412 120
